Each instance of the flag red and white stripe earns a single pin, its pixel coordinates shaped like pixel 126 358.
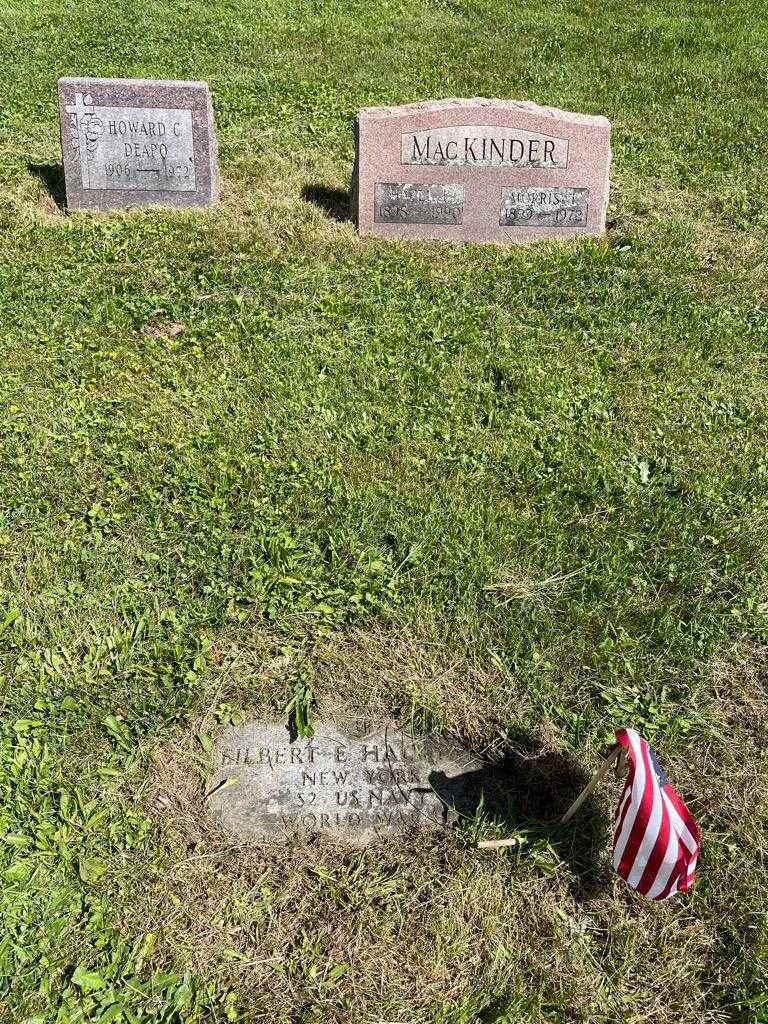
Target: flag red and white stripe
pixel 655 839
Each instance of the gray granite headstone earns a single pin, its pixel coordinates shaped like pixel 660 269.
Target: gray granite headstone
pixel 137 142
pixel 352 783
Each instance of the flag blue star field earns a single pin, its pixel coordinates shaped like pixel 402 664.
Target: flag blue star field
pixel 655 839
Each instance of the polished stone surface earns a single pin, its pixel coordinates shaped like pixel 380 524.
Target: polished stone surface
pixel 403 203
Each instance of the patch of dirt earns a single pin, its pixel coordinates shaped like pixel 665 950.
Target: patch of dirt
pixel 160 329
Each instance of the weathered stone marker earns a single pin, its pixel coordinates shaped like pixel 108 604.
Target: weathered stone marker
pixel 480 170
pixel 351 783
pixel 137 142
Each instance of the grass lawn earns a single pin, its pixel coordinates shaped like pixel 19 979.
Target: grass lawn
pixel 517 493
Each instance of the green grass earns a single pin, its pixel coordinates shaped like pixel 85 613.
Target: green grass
pixel 518 493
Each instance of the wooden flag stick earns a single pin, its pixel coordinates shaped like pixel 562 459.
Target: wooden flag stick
pixel 495 844
pixel 601 772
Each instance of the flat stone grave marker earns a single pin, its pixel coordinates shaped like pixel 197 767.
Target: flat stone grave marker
pixel 351 782
pixel 479 170
pixel 137 142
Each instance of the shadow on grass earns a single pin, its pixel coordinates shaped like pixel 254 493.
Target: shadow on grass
pixel 528 793
pixel 334 201
pixel 52 176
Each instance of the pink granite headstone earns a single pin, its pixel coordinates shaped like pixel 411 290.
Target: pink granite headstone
pixel 478 170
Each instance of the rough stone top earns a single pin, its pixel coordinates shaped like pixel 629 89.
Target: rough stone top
pixel 482 103
pixel 136 83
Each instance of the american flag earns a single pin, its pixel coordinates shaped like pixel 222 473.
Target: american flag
pixel 655 840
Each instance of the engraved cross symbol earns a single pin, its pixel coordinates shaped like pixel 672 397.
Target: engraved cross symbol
pixel 81 104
